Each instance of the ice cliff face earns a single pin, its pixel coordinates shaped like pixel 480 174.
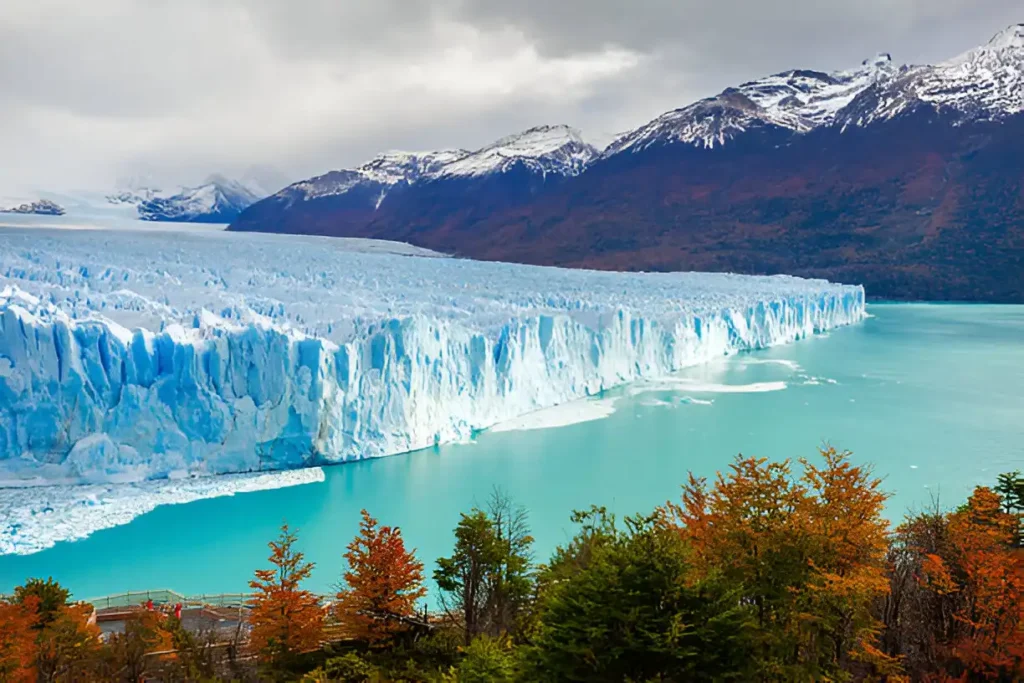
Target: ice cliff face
pixel 171 354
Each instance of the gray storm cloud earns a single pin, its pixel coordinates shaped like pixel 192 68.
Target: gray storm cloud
pixel 92 91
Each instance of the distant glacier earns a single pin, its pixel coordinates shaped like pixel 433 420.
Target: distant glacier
pixel 151 355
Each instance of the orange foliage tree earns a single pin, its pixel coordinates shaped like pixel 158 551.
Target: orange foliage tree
pixel 67 644
pixel 808 554
pixel 383 583
pixel 967 590
pixel 286 620
pixel 130 654
pixel 18 640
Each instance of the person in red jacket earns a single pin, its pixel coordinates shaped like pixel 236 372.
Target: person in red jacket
pixel 177 611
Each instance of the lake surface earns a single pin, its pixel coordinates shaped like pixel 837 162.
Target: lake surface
pixel 932 395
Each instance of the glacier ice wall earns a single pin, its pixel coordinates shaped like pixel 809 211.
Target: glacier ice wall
pixel 144 356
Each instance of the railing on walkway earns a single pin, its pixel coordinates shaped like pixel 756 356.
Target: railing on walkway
pixel 168 597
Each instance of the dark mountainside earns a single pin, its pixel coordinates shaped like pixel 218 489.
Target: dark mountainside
pixel 908 180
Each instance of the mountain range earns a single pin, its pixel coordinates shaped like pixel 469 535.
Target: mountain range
pixel 907 179
pixel 217 200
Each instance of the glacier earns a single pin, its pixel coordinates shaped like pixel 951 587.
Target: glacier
pixel 133 356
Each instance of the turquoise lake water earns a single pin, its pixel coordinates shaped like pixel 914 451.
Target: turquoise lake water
pixel 932 395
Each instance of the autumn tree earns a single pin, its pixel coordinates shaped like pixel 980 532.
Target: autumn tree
pixel 50 596
pixel 958 593
pixel 848 543
pixel 809 553
pixel 286 620
pixel 18 640
pixel 130 655
pixel 382 585
pixel 68 645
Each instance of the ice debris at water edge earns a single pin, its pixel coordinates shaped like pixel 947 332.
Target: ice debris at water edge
pixel 153 355
pixel 37 518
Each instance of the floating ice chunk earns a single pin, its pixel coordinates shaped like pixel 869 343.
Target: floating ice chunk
pixel 791 364
pixel 566 414
pixel 699 387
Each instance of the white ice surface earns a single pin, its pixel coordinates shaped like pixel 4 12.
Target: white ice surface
pixel 681 384
pixel 143 355
pixel 35 519
pixel 574 412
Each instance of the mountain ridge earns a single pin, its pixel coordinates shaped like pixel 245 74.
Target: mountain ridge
pixel 886 175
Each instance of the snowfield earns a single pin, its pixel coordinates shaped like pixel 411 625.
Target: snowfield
pixel 147 355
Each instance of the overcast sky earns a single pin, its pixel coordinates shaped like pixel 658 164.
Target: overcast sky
pixel 94 90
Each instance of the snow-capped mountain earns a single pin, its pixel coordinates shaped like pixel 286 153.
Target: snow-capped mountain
pixel 543 150
pixel 984 83
pixel 43 207
pixel 887 175
pixel 218 200
pixel 378 175
pixel 416 183
pixel 797 100
pixel 557 150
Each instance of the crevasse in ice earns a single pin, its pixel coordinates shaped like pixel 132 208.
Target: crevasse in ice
pixel 148 355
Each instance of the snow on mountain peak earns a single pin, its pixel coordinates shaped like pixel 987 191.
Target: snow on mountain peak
pixel 218 200
pixel 986 82
pixel 1011 37
pixel 379 174
pixel 558 149
pixel 880 60
pixel 797 100
pixel 397 166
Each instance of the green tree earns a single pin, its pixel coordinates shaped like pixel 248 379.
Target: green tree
pixel 1010 488
pixel 52 598
pixel 625 605
pixel 511 586
pixel 486 660
pixel 488 579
